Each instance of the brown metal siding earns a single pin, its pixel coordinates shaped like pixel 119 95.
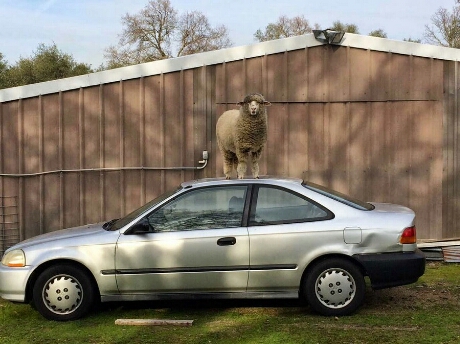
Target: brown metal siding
pixel 451 187
pixel 372 124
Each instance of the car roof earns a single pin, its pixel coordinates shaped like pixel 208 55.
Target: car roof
pixel 223 181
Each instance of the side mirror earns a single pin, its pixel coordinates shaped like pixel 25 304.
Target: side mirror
pixel 142 227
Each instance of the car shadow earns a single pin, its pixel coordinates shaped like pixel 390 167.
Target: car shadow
pixel 204 305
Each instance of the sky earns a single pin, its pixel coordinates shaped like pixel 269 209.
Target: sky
pixel 85 28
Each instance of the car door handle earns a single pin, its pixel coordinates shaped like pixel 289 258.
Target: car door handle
pixel 227 241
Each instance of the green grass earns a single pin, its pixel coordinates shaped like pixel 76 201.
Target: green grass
pixel 424 312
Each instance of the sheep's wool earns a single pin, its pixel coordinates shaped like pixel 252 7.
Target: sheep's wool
pixel 254 96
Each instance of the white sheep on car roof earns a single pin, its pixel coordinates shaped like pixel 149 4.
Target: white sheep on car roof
pixel 242 134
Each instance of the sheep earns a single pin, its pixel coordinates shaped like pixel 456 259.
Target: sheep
pixel 243 133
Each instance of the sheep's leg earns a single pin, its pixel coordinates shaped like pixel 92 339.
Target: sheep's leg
pixel 255 163
pixel 229 158
pixel 242 156
pixel 235 163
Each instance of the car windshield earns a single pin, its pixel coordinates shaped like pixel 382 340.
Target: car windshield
pixel 120 223
pixel 335 195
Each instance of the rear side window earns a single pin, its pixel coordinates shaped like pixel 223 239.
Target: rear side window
pixel 277 206
pixel 338 196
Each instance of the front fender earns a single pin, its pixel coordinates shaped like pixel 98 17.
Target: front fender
pixel 95 258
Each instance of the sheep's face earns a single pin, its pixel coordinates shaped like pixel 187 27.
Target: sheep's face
pixel 253 108
pixel 252 103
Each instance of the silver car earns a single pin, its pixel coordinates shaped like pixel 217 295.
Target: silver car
pixel 249 238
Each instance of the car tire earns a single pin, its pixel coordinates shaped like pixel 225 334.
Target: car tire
pixel 334 287
pixel 63 292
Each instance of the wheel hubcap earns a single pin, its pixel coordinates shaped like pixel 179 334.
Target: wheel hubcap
pixel 62 294
pixel 335 288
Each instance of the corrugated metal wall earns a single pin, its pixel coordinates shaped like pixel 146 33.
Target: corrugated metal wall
pixel 451 156
pixel 363 122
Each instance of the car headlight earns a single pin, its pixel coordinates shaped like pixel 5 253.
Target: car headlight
pixel 14 259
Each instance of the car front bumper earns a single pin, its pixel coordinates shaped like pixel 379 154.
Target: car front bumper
pixel 387 270
pixel 13 283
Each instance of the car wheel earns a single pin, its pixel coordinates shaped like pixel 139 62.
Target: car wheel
pixel 63 292
pixel 334 287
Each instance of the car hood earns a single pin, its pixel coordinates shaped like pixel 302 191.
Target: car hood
pixel 86 231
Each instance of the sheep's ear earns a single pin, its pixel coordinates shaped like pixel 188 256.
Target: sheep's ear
pixel 240 103
pixel 267 103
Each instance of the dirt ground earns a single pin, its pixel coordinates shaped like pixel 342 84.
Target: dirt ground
pixel 420 295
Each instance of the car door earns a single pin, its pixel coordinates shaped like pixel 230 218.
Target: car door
pixel 196 243
pixel 283 227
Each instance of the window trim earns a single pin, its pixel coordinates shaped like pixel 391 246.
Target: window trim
pixel 255 196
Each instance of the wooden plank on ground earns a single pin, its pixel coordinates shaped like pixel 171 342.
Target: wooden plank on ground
pixel 153 322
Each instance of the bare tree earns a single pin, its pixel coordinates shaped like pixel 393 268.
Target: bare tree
pixel 157 31
pixel 445 30
pixel 287 27
pixel 196 35
pixel 284 27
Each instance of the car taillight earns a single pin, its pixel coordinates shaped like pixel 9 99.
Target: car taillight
pixel 408 236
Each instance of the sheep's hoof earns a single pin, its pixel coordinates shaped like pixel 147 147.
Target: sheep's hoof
pixel 227 177
pixel 256 177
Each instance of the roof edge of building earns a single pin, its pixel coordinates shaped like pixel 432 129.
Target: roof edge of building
pixel 222 56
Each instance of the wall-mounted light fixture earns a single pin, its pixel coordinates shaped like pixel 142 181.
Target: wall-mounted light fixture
pixel 328 36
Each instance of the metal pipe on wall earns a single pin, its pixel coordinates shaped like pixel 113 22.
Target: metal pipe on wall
pixel 203 163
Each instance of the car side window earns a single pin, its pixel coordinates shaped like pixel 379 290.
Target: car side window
pixel 278 206
pixel 207 208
